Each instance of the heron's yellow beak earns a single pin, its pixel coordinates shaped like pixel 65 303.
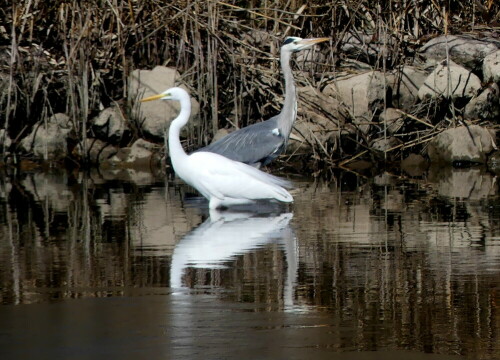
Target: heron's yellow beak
pixel 154 97
pixel 313 41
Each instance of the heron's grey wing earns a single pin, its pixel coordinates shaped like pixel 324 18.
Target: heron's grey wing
pixel 257 143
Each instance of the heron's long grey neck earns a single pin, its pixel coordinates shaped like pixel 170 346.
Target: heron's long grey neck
pixel 289 112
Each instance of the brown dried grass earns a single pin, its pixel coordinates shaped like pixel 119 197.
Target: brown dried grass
pixel 74 56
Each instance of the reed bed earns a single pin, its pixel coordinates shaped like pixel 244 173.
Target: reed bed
pixel 74 56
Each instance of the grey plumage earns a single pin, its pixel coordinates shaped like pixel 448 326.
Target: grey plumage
pixel 260 143
pixel 256 144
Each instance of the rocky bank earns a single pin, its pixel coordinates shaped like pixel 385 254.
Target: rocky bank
pixel 443 108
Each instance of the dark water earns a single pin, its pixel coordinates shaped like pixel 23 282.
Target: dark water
pixel 358 268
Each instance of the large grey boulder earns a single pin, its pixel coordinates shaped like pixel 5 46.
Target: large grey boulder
pixel 450 81
pixel 491 67
pixel 48 140
pixel 405 83
pixel 485 106
pixel 155 116
pixel 110 125
pixel 462 144
pixel 464 50
pixel 363 95
pixel 318 122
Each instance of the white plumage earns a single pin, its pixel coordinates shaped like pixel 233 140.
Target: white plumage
pixel 222 181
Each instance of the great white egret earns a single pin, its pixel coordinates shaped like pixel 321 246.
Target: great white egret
pixel 222 181
pixel 260 143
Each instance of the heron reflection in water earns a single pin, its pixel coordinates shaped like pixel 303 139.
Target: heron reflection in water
pixel 225 235
pixel 260 143
pixel 224 182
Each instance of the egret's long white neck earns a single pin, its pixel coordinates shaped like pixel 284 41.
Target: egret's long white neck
pixel 177 153
pixel 289 111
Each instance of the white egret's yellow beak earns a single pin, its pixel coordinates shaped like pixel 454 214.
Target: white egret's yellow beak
pixel 154 97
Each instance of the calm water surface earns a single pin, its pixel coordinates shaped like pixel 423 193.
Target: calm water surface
pixel 102 266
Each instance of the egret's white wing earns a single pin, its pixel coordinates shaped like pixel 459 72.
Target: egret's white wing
pixel 219 175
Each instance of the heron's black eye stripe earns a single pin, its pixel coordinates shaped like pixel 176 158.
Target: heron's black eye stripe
pixel 288 40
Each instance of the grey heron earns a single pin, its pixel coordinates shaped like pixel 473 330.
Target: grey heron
pixel 222 181
pixel 260 143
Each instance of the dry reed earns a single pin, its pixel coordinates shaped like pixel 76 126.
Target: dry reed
pixel 74 57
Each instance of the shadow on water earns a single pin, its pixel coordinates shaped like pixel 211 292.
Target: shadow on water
pixel 358 267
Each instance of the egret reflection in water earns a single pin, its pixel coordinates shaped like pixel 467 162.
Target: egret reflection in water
pixel 225 235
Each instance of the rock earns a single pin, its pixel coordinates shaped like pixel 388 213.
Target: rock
pixel 95 151
pixel 49 141
pixel 466 51
pixel 220 134
pixel 156 115
pixel 363 95
pixel 141 155
pixel 405 83
pixel 385 144
pixel 392 119
pixel 450 81
pixel 485 106
pixel 491 67
pixel 462 144
pixel 308 135
pixel 317 103
pixel 358 44
pixel 319 116
pixel 414 165
pixel 111 126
